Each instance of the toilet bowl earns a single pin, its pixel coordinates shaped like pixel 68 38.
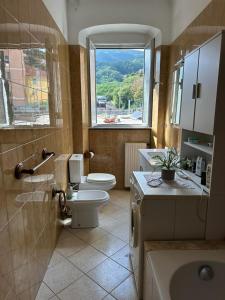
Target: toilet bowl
pixel 97 181
pixel 94 181
pixel 84 207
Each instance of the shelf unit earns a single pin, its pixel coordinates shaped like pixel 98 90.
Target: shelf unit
pixel 200 147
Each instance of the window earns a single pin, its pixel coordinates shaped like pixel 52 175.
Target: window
pixel 25 87
pixel 120 86
pixel 177 87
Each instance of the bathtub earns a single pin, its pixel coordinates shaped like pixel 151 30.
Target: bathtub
pixel 186 275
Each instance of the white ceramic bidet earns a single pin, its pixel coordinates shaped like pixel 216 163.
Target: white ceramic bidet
pixel 84 206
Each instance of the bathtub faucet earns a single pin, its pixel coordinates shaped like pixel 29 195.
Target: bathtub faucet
pixel 206 273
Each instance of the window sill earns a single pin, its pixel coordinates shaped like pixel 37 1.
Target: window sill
pixel 119 127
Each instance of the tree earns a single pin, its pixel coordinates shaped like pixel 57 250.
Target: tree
pixel 108 74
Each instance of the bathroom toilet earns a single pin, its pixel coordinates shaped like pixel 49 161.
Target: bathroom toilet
pixel 84 207
pixel 97 181
pixel 94 181
pixel 92 193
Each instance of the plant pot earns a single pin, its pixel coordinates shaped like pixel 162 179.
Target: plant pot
pixel 167 174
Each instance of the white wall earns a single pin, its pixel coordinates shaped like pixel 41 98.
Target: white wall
pixel 183 13
pixel 87 13
pixel 58 10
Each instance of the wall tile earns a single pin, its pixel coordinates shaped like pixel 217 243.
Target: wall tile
pixel 29 224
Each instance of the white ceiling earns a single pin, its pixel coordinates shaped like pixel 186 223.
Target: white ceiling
pixel 138 17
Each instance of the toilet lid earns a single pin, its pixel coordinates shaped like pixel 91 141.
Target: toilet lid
pixel 100 177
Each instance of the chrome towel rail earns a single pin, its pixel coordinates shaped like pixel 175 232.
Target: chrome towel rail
pixel 19 169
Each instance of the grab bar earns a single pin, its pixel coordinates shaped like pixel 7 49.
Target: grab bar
pixel 19 169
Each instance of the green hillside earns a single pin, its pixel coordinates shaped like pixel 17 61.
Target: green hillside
pixel 119 76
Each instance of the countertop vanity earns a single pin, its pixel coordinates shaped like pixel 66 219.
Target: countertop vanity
pixel 193 212
pixel 174 210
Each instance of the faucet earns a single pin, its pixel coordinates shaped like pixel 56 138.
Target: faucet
pixel 75 186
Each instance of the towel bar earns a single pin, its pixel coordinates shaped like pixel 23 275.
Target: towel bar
pixel 19 169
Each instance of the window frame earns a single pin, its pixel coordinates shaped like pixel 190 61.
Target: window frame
pixel 93 103
pixel 176 89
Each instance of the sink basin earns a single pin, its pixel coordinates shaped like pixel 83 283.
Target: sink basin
pixel 153 161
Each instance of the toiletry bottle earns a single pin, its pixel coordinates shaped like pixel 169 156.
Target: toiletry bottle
pixel 69 192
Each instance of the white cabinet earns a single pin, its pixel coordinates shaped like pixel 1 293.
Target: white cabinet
pixel 208 71
pixel 201 71
pixel 189 87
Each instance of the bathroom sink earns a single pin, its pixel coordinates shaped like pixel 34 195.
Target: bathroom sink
pixel 152 160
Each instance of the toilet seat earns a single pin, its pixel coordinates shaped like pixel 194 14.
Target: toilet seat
pixel 100 178
pixel 96 185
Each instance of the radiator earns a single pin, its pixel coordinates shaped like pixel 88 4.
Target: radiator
pixel 132 160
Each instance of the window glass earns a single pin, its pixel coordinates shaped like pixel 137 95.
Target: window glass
pixel 24 88
pixel 177 87
pixel 118 86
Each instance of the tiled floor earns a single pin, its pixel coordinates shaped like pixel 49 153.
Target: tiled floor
pixel 93 264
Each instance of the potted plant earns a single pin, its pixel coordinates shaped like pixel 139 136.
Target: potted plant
pixel 169 162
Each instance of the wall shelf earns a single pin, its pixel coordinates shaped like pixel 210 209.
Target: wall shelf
pixel 200 147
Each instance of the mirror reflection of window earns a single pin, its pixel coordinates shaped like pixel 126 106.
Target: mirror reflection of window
pixel 24 87
pixel 176 99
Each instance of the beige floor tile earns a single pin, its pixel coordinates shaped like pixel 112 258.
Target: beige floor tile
pixel 69 245
pixel 126 290
pixel 120 197
pixel 122 257
pixel 123 203
pixel 105 220
pixel 110 210
pixel 44 293
pixel 83 289
pixel 61 275
pixel 88 235
pixel 87 258
pixel 55 259
pixel 64 234
pixel 109 244
pixel 109 224
pixel 122 215
pixel 109 297
pixel 109 274
pixel 121 231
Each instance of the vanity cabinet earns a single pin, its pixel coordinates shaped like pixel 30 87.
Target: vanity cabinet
pixel 201 75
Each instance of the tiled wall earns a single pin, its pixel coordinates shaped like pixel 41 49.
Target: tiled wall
pixel 107 144
pixel 79 98
pixel 208 23
pixel 159 96
pixel 28 214
pixel 109 148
